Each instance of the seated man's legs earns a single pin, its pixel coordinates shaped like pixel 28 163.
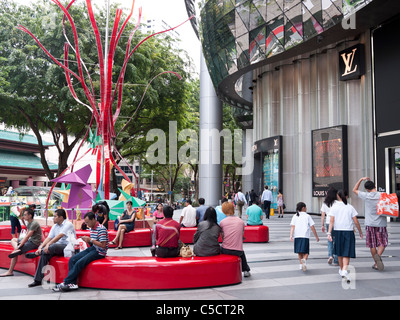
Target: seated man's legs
pixel 163 252
pixel 54 250
pixel 241 254
pixel 80 261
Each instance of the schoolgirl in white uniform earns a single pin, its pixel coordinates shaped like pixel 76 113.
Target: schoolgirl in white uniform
pixel 301 225
pixel 343 218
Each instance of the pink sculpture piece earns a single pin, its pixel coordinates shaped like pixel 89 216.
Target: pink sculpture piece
pixel 81 194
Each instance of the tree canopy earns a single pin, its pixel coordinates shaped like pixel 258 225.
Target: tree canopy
pixel 34 92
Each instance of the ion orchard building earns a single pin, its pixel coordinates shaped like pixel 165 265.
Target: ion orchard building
pixel 318 82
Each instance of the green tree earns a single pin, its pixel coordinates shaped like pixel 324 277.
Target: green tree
pixel 34 93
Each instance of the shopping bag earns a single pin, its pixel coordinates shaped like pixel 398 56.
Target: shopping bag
pixel 82 244
pixel 388 205
pixel 22 234
pixel 69 249
pixel 272 212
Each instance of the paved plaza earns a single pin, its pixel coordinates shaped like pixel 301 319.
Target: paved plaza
pixel 274 274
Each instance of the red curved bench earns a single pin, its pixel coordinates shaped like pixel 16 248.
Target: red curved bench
pixel 251 234
pixel 141 273
pixel 142 237
pixel 135 238
pixel 5 231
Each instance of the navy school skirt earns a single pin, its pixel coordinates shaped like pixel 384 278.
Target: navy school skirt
pixel 302 245
pixel 345 244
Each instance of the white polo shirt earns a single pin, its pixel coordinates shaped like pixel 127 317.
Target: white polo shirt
pixel 189 216
pixel 344 215
pixel 64 228
pixel 302 225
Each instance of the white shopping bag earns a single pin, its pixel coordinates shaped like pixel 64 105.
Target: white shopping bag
pixel 69 249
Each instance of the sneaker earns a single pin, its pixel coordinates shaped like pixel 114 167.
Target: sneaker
pixel 153 251
pixel 69 287
pixel 303 265
pixel 58 287
pixel 330 260
pixel 345 275
pixel 246 274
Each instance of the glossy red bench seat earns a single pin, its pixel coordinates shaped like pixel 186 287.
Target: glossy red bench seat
pixel 134 238
pixel 5 231
pixel 141 273
pixel 251 234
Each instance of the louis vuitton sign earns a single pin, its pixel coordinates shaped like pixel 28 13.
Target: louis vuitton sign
pixel 352 63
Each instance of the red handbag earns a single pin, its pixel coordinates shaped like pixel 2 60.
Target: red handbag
pixel 388 205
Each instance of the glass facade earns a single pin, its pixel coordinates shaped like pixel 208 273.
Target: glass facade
pixel 238 33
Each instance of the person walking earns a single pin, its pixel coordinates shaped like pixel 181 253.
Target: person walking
pixel 301 225
pixel 240 201
pixel 343 217
pixel 266 199
pixel 376 236
pixel 16 214
pixel 253 197
pixel 329 200
pixel 280 203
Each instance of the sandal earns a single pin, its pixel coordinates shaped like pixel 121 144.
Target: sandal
pixel 117 248
pixel 6 275
pixel 378 261
pixel 15 253
pixel 112 242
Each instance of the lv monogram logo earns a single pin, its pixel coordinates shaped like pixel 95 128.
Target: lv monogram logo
pixel 348 62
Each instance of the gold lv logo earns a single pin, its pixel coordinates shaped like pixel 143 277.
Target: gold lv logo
pixel 348 62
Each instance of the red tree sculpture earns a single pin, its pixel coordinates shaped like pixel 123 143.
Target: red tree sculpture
pixel 101 110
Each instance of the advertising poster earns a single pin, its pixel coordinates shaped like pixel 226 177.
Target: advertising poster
pixel 329 160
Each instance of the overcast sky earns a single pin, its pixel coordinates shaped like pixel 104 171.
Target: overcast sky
pixel 173 12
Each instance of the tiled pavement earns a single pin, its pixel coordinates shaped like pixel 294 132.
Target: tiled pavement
pixel 274 274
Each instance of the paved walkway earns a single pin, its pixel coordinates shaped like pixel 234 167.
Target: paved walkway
pixel 274 274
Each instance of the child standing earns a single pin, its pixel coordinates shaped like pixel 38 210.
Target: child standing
pixel 300 233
